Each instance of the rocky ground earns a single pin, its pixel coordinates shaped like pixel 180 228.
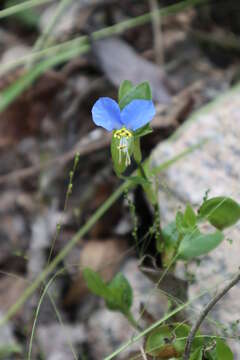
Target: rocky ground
pixel 44 127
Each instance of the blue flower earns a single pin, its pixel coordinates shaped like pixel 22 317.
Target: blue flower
pixel 137 113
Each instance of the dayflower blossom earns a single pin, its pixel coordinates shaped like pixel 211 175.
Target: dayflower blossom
pixel 106 113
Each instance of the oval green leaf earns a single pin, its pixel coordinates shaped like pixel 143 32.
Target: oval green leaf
pixel 223 351
pixel 124 88
pixel 220 211
pixel 95 283
pixel 141 91
pixel 197 354
pixel 196 244
pixel 121 294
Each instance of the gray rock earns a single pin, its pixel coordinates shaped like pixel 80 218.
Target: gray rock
pixel 214 166
pixel 8 343
pixel 59 342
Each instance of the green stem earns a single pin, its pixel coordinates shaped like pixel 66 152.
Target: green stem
pixel 76 238
pixel 43 39
pixel 12 10
pixel 142 171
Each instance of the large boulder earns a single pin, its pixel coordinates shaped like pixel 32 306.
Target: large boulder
pixel 214 167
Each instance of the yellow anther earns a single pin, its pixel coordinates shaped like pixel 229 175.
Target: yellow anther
pixel 121 147
pixel 122 133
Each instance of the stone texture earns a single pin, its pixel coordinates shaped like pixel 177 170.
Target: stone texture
pixel 59 342
pixel 215 166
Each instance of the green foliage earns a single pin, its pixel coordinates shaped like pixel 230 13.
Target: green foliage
pixel 95 283
pixel 197 354
pixel 124 88
pixel 145 130
pixel 117 294
pixel 170 340
pixel 186 222
pixel 220 352
pixel 137 154
pixel 183 236
pixel 221 212
pixel 196 244
pixel 141 91
pixel 121 294
pixel 189 217
pixel 169 247
pixel 170 234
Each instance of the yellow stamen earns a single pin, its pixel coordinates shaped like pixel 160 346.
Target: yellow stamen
pixel 123 136
pixel 122 133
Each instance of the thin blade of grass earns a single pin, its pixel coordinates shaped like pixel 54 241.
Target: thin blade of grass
pixel 12 10
pixel 43 39
pixel 26 80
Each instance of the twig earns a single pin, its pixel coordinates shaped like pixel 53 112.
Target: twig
pixel 205 312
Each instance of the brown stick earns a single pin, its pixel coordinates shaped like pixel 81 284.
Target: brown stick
pixel 205 312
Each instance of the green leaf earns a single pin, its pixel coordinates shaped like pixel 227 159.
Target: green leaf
pixel 121 294
pixel 186 222
pixel 137 154
pixel 136 180
pixel 124 88
pixel 223 351
pixel 157 339
pixel 117 294
pixel 181 332
pixel 180 223
pixel 220 211
pixel 171 239
pixel 197 354
pixel 141 91
pixel 169 340
pixel 196 244
pixel 95 283
pixel 144 130
pixel 220 352
pixel 170 234
pixel 189 216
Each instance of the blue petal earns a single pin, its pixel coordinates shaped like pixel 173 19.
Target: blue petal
pixel 137 114
pixel 106 113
